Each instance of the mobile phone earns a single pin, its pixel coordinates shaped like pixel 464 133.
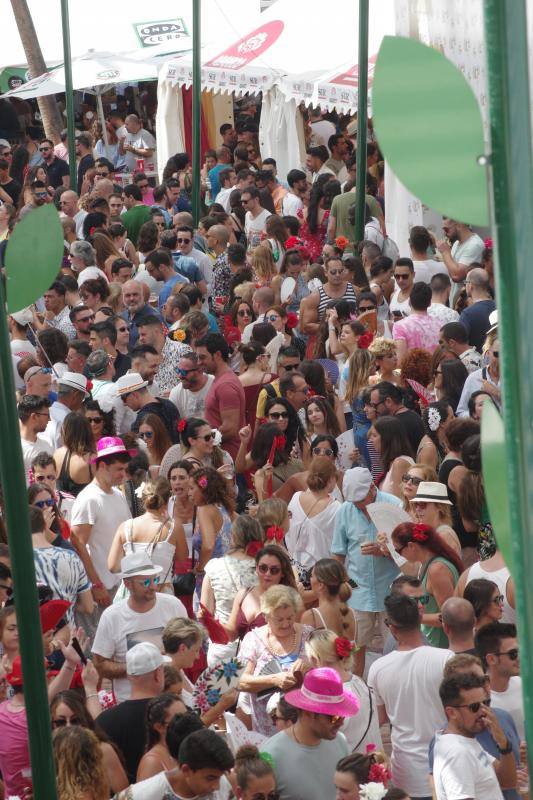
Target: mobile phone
pixel 77 647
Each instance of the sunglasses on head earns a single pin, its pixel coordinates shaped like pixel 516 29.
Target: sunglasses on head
pixel 50 503
pixel 326 452
pixel 511 654
pixel 474 707
pixel 411 479
pixel 265 569
pixel 278 414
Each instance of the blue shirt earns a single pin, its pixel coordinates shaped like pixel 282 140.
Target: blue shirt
pixel 213 178
pixel 488 744
pixel 145 311
pixel 166 291
pixel 372 574
pixel 187 266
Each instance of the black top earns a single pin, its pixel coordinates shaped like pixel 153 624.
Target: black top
pixel 475 318
pixel 126 727
pixel 122 365
pixel 57 169
pixel 13 189
pixel 85 163
pixel 65 482
pixel 466 538
pixel 413 426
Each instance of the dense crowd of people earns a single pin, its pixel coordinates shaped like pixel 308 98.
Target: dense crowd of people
pixel 265 560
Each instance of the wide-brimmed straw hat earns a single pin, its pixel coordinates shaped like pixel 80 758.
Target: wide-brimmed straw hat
pixel 432 492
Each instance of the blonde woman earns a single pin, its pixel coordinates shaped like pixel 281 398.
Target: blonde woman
pixel 273 652
pixel 411 480
pixel 432 506
pixel 161 537
pixel 324 648
pixel 80 773
pixel 385 360
pixel 263 265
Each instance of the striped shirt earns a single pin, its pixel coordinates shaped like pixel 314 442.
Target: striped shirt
pixel 325 299
pixel 63 571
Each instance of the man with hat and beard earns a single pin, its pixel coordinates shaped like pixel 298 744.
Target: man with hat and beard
pixel 368 565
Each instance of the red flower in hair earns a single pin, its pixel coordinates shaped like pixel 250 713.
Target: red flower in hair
pixel 89 386
pixel 341 242
pixel 378 773
pixel 252 548
pixel 343 647
pixel 293 241
pixel 182 424
pixel 292 321
pixel 275 533
pixel 365 340
pixel 420 532
pixel 92 230
pixel 488 244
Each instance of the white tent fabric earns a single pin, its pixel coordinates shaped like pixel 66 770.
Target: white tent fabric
pixel 281 131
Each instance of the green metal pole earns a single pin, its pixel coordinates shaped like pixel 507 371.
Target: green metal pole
pixel 362 105
pixel 68 94
pixel 196 106
pixel 512 198
pixel 25 585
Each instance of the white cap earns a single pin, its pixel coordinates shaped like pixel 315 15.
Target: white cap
pixel 143 658
pixel 493 319
pixel 356 484
pixel 22 317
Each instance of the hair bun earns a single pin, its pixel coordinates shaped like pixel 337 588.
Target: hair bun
pixel 247 752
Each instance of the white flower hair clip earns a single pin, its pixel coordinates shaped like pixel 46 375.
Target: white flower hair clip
pixel 217 437
pixel 372 791
pixel 139 490
pixel 434 419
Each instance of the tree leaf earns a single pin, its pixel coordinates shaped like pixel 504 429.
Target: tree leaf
pixel 496 490
pixel 428 124
pixel 33 256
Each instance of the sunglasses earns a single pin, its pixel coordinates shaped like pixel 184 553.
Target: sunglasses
pixel 278 414
pixel 273 317
pixel 498 600
pixel 400 277
pixel 207 437
pixel 94 420
pixel 333 719
pixel 184 241
pixel 410 479
pixel 496 353
pixel 512 654
pixel 147 581
pixel 41 195
pixel 423 599
pixel 290 367
pixel 366 308
pixel 43 478
pixel 474 707
pixel 45 503
pixel 123 330
pixel 62 722
pixel 184 372
pixel 265 569
pixel 243 313
pixel 335 271
pixel 318 452
pixel 146 434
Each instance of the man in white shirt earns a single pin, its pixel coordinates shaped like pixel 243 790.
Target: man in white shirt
pixel 190 393
pixel 316 162
pixel 83 262
pixel 322 128
pixel 228 179
pixel 486 379
pixel 262 299
pixel 292 202
pixel 419 243
pixel 33 418
pixel 137 143
pixel 71 394
pixel 440 294
pixel 406 685
pixel 462 768
pixel 497 645
pixel 140 618
pixel 461 248
pixel 256 216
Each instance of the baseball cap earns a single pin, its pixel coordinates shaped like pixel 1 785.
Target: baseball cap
pixel 143 658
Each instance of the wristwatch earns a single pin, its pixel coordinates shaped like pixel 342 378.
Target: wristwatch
pixel 504 751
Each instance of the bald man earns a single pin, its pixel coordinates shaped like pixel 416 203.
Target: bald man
pixel 136 308
pixel 458 622
pixel 103 187
pixel 138 143
pixel 475 318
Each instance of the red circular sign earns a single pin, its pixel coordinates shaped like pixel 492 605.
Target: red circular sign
pixel 249 47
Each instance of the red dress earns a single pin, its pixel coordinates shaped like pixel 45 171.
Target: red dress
pixel 313 241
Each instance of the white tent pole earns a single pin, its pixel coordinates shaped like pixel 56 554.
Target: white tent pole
pixel 102 118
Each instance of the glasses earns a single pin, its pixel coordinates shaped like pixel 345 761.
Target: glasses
pixel 326 452
pixel 184 372
pixel 45 503
pixel 423 599
pixel 41 195
pixel 94 420
pixel 498 600
pixel 335 271
pixel 61 722
pixel 401 277
pixel 44 149
pixel 146 434
pixel 147 581
pixel 265 569
pixel 333 719
pixel 411 479
pixel 243 313
pixel 511 654
pixel 366 308
pixel 273 317
pixel 399 549
pixel 474 707
pixel 207 437
pixel 496 353
pixel 278 414
pixel 290 367
pixel 184 241
pixel 124 329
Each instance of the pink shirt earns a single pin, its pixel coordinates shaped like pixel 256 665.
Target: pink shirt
pixel 14 749
pixel 418 330
pixel 226 392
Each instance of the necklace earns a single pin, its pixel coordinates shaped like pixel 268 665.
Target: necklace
pixel 282 651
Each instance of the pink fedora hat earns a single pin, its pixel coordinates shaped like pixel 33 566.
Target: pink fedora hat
pixel 110 446
pixel 323 693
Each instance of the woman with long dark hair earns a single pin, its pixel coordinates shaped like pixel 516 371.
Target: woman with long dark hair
pixel 283 465
pixel 154 435
pixel 254 375
pixel 388 438
pixel 313 229
pixel 102 423
pixel 439 571
pixel 73 458
pixel 486 600
pixel 431 450
pixel 450 377
pixel 159 713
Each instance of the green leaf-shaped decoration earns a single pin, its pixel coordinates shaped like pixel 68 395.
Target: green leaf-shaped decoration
pixel 33 256
pixel 495 483
pixel 429 128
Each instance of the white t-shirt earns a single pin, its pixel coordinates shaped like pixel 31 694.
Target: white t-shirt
pixel 105 512
pixel 120 628
pixel 142 140
pixel 512 702
pixel 22 347
pixel 290 205
pixel 465 253
pixel 425 270
pixel 31 449
pixel 463 769
pixel 407 683
pixel 91 272
pixel 223 198
pixel 373 233
pixel 399 305
pixel 253 226
pixel 190 404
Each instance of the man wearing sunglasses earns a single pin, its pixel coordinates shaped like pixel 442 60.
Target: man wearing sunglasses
pixel 39 196
pixel 461 766
pixel 337 287
pixel 497 645
pixel 288 362
pixel 57 168
pixel 405 684
pixel 190 393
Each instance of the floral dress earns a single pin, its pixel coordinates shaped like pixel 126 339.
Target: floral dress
pixel 314 242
